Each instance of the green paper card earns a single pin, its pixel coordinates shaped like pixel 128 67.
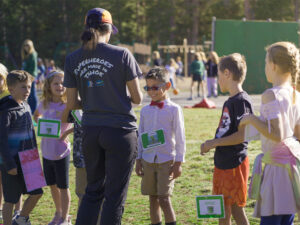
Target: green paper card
pixel 77 114
pixel 153 139
pixel 49 128
pixel 210 206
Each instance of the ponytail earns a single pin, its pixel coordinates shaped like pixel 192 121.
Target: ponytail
pixel 92 33
pixel 295 71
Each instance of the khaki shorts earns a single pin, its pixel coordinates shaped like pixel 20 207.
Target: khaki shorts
pixel 156 179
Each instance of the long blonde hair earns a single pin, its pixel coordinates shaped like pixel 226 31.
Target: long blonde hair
pixel 3 74
pixel 173 63
pixel 47 94
pixel 286 56
pixel 197 56
pixel 25 54
pixel 214 57
pixel 156 55
pixel 203 56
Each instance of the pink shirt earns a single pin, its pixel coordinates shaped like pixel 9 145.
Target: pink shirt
pixel 53 148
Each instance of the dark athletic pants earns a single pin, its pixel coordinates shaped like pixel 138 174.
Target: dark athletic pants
pixel 109 155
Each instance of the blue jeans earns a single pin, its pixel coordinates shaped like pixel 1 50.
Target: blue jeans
pixel 33 99
pixel 109 155
pixel 277 220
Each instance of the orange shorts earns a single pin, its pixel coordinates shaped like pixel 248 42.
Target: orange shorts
pixel 232 184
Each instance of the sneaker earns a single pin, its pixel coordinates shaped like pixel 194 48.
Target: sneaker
pixel 16 213
pixel 55 219
pixel 190 98
pixel 65 222
pixel 21 220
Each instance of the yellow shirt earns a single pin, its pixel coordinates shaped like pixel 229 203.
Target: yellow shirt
pixel 4 93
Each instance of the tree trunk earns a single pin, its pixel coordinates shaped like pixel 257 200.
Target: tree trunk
pixel 296 3
pixel 226 2
pixel 248 10
pixel 172 22
pixel 65 21
pixel 195 27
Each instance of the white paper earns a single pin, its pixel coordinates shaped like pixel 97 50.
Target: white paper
pixel 210 206
pixel 49 128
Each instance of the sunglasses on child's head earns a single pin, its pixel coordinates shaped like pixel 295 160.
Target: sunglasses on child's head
pixel 154 88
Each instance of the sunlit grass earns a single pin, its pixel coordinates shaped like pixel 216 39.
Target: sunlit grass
pixel 196 179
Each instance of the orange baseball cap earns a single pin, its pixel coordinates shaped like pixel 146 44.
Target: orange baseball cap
pixel 98 16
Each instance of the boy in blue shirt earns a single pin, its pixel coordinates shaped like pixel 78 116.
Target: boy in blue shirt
pixel 17 134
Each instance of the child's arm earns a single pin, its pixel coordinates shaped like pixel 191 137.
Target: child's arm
pixel 8 160
pixel 65 115
pixel 176 170
pixel 233 139
pixel 66 133
pixel 180 147
pixel 276 132
pixel 239 110
pixel 36 115
pixel 138 165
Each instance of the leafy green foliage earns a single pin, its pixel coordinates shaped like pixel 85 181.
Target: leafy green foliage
pixel 55 25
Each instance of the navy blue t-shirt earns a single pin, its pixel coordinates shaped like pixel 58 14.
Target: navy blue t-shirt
pixel 228 157
pixel 100 77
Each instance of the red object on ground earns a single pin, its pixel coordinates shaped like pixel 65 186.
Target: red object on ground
pixel 205 103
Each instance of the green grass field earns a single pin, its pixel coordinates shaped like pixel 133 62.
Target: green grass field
pixel 196 179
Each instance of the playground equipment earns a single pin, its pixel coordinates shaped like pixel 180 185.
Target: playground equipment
pixel 185 49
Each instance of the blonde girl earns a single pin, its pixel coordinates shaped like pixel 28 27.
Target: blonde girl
pixel 56 152
pixel 156 59
pixel 278 196
pixel 29 64
pixel 3 87
pixel 172 66
pixel 212 74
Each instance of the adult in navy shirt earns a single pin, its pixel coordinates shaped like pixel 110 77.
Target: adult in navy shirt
pixel 101 74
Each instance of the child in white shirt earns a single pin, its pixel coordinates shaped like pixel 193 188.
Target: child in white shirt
pixel 161 146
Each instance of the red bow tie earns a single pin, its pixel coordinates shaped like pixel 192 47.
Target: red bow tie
pixel 158 104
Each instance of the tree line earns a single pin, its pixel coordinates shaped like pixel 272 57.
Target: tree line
pixel 53 23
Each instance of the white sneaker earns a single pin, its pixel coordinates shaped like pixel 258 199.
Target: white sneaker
pixel 16 213
pixel 65 222
pixel 21 220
